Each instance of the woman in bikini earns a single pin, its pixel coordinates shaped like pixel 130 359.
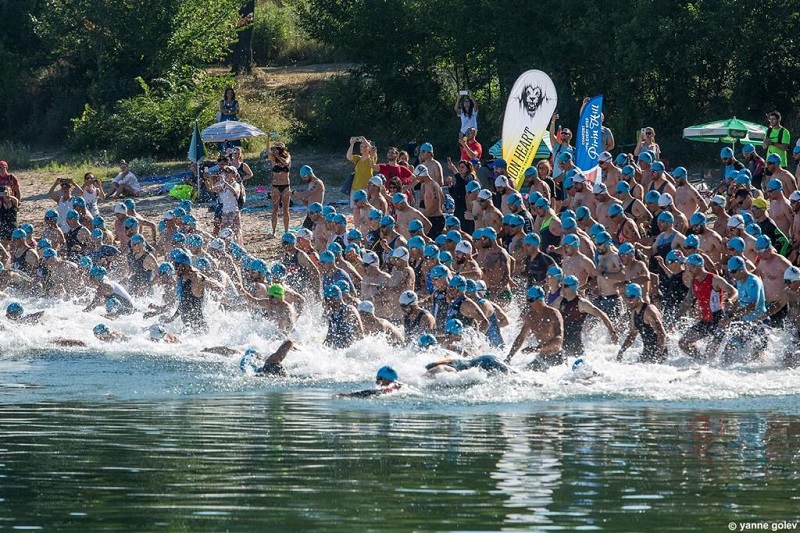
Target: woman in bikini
pixel 281 191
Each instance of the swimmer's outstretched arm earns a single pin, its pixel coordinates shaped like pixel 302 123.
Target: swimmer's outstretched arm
pixel 280 354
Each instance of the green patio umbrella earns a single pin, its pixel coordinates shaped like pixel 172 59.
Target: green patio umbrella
pixel 197 152
pixel 727 131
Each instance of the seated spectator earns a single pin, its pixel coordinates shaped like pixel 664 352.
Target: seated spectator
pixel 125 182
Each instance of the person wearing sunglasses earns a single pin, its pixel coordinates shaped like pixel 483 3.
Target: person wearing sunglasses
pixel 777 139
pixel 647 142
pixel 645 321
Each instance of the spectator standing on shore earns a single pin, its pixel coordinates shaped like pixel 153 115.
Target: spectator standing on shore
pixel 470 147
pixel 63 199
pixel 9 181
pixel 778 137
pixel 281 192
pixel 647 143
pixel 560 141
pixel 363 163
pixel 467 110
pixel 92 191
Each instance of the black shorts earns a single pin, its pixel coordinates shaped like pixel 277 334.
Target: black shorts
pixel 308 223
pixel 272 369
pixel 611 305
pixel 778 319
pixel 437 225
pixel 706 329
pixel 544 361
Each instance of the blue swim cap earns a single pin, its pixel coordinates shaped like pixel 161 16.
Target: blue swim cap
pixel 49 252
pixel 387 221
pixel 99 222
pixel 101 329
pixel 399 198
pixel 131 222
pixel 646 157
pixel 316 207
pixel 74 215
pixel 459 283
pixel 674 256
pixel 515 199
pixel 748 149
pixel 328 210
pixel 473 186
pixel 531 172
pixel 532 239
pixel 500 163
pixel 633 290
pixel 44 243
pixel 180 256
pixel 602 238
pixel 186 205
pixel 679 173
pixel 441 240
pixel 166 268
pixel 571 282
pixel 113 305
pixel 516 221
pixel 332 292
pixel 489 233
pixel 339 218
pixel 535 293
pixel 329 217
pixel 555 272
pixel 137 238
pixel 306 170
pixel 628 170
pixel 596 229
pixel 570 239
pixel 698 219
pixel 51 214
pixel 762 243
pixel 569 223
pixel 774 158
pixel 666 217
pixel 289 238
pixel 541 203
pixel 439 271
pixel 426 339
pixel 354 235
pixel 691 241
pixel 454 327
pixel 178 237
pixel 622 187
pixel 735 263
pixel 774 185
pixel 453 236
pixel 278 270
pixel 415 224
pixel 622 158
pixel 259 265
pixel 179 212
pixel 582 212
pixel 564 157
pixel 652 197
pixel 430 250
pixel 343 286
pixel 98 272
pixel 335 248
pixel 657 166
pixel 453 221
pixel 195 240
pixel 78 202
pixel 353 247
pixel 533 197
pixel 375 214
pixel 416 242
pixel 477 234
pixel 14 308
pixel 387 373
pixel 753 229
pixel 129 203
pixel 86 262
pixel 726 153
pixel 696 260
pixel 426 147
pixel 627 248
pixel 327 257
pixel 615 210
pixel 737 243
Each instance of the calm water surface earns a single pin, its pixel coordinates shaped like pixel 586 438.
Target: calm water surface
pixel 132 443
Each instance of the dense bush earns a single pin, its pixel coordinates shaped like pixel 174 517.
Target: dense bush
pixel 279 39
pixel 157 121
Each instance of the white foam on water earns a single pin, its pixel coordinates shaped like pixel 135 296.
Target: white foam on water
pixel 316 365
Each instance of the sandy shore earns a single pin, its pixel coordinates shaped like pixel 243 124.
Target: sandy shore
pixel 255 224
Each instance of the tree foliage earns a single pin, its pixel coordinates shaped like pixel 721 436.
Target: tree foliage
pixel 665 63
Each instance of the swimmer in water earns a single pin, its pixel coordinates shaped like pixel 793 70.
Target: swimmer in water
pixel 105 334
pixel 272 366
pixel 387 381
pixel 158 333
pixel 487 363
pixel 16 313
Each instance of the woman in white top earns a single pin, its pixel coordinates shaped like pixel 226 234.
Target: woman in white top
pixel 92 190
pixel 63 199
pixel 647 141
pixel 125 183
pixel 467 110
pixel 228 189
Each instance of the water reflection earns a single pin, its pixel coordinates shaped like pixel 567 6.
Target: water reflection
pixel 305 461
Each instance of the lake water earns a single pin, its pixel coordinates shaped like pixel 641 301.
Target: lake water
pixel 143 437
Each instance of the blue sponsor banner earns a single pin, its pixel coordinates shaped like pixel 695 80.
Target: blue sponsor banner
pixel 590 138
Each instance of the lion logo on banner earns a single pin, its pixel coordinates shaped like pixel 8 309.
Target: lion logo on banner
pixel 531 99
